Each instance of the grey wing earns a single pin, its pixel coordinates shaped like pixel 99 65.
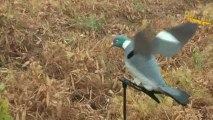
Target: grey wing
pixel 167 42
pixel 170 41
pixel 143 41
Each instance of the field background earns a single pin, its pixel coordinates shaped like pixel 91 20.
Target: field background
pixel 55 61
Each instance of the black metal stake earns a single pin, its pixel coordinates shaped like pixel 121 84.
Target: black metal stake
pixel 124 83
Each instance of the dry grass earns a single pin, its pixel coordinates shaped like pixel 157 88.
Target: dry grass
pixel 55 63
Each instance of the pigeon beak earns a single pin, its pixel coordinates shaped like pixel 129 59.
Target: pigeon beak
pixel 111 45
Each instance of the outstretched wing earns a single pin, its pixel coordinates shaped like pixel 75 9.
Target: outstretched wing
pixel 143 41
pixel 167 42
pixel 170 41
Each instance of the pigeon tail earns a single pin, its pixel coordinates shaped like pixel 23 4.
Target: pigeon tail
pixel 177 94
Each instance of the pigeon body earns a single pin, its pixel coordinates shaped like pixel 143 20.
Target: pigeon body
pixel 141 62
pixel 148 74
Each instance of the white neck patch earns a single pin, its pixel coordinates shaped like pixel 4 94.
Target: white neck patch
pixel 126 43
pixel 164 35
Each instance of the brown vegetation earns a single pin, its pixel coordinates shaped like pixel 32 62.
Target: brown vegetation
pixel 55 61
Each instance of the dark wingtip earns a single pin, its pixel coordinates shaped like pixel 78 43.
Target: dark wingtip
pixel 184 31
pixel 192 26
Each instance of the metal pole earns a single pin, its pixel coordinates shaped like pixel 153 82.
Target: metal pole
pixel 124 84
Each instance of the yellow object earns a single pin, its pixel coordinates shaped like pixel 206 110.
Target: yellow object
pixel 198 21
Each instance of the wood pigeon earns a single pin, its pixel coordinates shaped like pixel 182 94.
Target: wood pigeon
pixel 141 62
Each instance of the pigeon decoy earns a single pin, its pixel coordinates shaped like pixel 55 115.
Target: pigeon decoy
pixel 141 62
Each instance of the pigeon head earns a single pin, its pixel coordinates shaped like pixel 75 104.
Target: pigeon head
pixel 119 41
